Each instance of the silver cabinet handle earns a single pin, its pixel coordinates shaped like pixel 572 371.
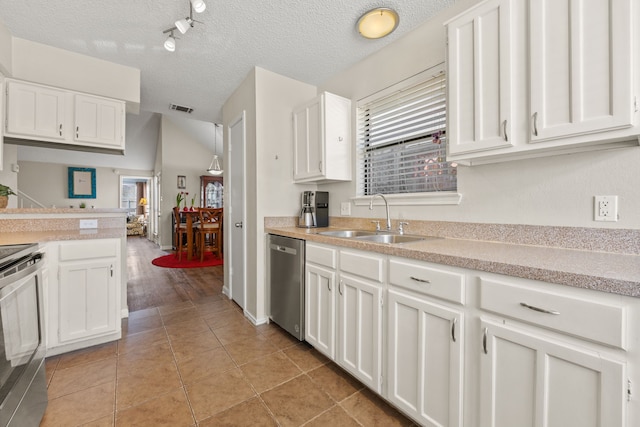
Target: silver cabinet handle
pixel 504 128
pixel 419 280
pixel 60 129
pixel 484 340
pixel 111 270
pixel 339 287
pixel 238 224
pixel 329 285
pixel 320 165
pixel 538 309
pixel 77 131
pixel 453 328
pixel 535 123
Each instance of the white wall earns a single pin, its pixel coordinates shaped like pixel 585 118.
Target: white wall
pixel 5 50
pixel 554 190
pixel 7 176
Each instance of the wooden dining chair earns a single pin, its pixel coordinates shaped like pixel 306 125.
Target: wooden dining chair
pixel 180 232
pixel 209 233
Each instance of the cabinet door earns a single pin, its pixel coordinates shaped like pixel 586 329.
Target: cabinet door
pixel 531 380
pixel 307 144
pixel 34 110
pixel 98 121
pixel 320 309
pixel 580 67
pixel 360 330
pixel 479 78
pixel 87 299
pixel 425 359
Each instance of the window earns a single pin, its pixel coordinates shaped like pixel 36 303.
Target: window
pixel 402 141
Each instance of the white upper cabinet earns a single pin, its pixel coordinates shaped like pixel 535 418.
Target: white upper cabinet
pixel 542 77
pixel 479 70
pixel 322 139
pixel 42 113
pixel 580 67
pixel 98 120
pixel 36 111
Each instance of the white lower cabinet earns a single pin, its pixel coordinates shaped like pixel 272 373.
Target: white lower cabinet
pixel 83 294
pixel 528 379
pixel 425 359
pixel 320 289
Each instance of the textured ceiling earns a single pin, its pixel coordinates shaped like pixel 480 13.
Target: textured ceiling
pixel 305 40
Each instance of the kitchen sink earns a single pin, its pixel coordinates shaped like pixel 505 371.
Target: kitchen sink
pixel 391 238
pixel 349 234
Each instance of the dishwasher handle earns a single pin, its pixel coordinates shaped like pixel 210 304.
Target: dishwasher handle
pixel 283 249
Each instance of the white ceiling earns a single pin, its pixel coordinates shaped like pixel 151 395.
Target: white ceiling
pixel 306 40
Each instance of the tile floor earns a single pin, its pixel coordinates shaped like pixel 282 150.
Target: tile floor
pixel 201 363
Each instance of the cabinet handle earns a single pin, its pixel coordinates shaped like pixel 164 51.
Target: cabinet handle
pixel 504 128
pixel 541 310
pixel 340 287
pixel 420 280
pixel 453 328
pixel 111 270
pixel 320 165
pixel 484 340
pixel 329 285
pixel 77 131
pixel 535 123
pixel 60 129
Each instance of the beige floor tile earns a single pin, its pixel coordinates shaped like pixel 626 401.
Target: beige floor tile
pixel 191 345
pixel 168 410
pixel 142 341
pixel 208 299
pixel 190 326
pixel 108 421
pixel 225 319
pixel 204 364
pixel 370 410
pixel 247 350
pixel 217 393
pixel 80 407
pixel 305 356
pixel 335 381
pixel 134 326
pixel 280 338
pixel 145 384
pixel 214 307
pixel 270 371
pixel 132 361
pixel 80 377
pixel 236 332
pixel 297 401
pixel 86 355
pixel 335 416
pixel 148 312
pixel 50 365
pixel 250 413
pixel 180 316
pixel 172 308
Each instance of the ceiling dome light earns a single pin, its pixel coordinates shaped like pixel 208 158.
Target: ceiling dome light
pixel 198 6
pixel 378 23
pixel 183 25
pixel 170 43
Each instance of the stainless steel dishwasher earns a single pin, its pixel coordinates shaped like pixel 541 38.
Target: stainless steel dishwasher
pixel 286 281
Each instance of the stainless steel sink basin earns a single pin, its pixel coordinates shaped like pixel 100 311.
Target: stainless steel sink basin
pixel 391 238
pixel 349 234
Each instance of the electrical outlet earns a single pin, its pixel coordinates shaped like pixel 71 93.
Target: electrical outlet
pixel 605 208
pixel 345 208
pixel 88 223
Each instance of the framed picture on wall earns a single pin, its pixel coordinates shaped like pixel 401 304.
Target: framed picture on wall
pixel 182 182
pixel 82 183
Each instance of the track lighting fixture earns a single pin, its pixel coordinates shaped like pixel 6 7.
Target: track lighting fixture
pixel 184 24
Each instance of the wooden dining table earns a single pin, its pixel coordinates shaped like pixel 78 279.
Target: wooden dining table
pixel 191 217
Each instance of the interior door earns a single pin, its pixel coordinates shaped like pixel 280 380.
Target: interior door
pixel 236 211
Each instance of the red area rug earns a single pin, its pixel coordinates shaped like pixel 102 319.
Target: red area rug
pixel 171 261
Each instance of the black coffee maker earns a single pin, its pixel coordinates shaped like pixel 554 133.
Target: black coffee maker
pixel 314 210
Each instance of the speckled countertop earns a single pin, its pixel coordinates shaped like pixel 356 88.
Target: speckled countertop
pixel 617 273
pixel 58 235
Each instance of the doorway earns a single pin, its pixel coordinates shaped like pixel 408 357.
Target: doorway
pixel 137 198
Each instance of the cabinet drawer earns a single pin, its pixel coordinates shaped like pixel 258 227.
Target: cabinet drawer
pixel 559 311
pixel 363 264
pixel 428 280
pixel 76 250
pixel 321 255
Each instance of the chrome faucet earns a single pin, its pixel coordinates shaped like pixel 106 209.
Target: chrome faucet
pixel 386 204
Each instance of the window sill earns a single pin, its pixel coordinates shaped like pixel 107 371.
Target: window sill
pixel 411 199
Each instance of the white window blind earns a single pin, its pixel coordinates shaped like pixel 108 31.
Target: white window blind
pixel 402 141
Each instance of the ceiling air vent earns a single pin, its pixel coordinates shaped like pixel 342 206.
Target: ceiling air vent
pixel 180 108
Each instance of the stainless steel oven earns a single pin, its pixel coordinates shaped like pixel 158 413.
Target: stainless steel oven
pixel 23 389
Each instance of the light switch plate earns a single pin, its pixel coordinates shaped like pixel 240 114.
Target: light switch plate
pixel 88 223
pixel 345 208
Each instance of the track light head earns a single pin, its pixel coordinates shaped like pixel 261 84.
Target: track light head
pixel 198 6
pixel 183 25
pixel 170 43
